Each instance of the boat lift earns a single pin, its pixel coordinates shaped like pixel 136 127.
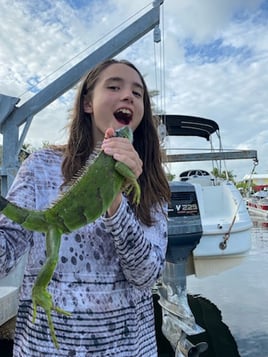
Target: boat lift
pixel 12 117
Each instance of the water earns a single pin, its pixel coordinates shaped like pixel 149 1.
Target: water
pixel 241 294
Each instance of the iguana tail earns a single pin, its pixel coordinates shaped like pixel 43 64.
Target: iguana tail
pixel 29 219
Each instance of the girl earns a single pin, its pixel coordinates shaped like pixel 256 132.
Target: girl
pixel 106 270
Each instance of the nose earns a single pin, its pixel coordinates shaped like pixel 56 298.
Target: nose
pixel 127 95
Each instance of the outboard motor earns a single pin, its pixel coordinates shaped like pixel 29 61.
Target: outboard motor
pixel 186 348
pixel 184 233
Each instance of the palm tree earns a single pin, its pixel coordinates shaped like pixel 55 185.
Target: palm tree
pixel 223 174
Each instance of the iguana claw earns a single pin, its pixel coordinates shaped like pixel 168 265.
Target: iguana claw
pixel 41 297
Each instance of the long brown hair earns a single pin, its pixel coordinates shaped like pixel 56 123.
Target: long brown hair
pixel 153 181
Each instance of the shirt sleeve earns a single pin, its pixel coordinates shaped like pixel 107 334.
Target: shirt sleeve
pixel 141 249
pixel 14 239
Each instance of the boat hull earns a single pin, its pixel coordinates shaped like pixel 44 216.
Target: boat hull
pixel 209 259
pixel 226 223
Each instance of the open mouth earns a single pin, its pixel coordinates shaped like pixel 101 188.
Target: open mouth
pixel 123 116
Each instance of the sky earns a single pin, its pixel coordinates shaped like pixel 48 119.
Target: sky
pixel 211 62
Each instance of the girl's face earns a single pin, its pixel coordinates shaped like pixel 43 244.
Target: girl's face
pixel 117 100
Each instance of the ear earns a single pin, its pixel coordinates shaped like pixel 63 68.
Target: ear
pixel 88 107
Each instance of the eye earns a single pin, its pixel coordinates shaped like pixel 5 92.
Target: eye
pixel 137 94
pixel 114 88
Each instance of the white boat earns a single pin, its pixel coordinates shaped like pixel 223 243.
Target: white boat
pixel 226 225
pixel 257 204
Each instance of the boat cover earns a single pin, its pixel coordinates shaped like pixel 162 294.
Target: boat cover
pixel 184 125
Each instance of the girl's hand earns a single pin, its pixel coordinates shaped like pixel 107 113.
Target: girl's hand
pixel 122 150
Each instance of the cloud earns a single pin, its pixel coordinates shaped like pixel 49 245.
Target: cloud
pixel 215 63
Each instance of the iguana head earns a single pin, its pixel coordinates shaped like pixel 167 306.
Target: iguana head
pixel 125 132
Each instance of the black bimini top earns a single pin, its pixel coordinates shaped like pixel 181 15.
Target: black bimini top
pixel 184 125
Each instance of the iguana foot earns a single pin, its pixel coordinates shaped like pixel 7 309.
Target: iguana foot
pixel 131 181
pixel 41 297
pixel 134 186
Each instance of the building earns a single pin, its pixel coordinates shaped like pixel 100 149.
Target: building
pixel 258 181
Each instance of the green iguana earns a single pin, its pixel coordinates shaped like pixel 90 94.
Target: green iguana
pixel 86 200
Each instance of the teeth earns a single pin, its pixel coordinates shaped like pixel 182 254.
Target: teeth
pixel 123 115
pixel 124 110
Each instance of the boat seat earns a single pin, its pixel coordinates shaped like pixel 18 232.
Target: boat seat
pixel 201 177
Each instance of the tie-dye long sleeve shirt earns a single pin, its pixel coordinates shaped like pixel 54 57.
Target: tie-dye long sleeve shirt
pixel 104 275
